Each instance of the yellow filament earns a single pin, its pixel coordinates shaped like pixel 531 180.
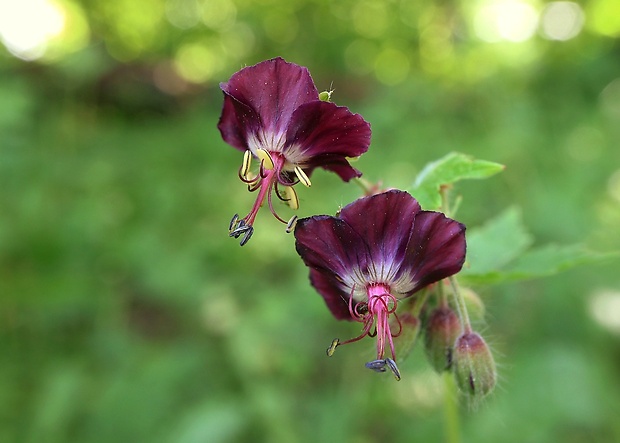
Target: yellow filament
pixel 303 178
pixel 265 157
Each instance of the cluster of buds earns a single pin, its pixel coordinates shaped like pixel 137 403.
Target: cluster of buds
pixel 452 345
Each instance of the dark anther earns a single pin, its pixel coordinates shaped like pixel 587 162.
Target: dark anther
pixel 233 222
pixel 239 228
pixel 246 237
pixel 376 365
pixel 380 365
pixel 392 365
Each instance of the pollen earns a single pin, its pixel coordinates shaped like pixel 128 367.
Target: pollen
pixel 265 158
pixel 303 178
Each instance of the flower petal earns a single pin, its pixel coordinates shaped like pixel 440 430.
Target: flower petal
pixel 323 134
pixel 336 164
pixel 237 122
pixel 329 244
pixel 337 257
pixel 385 222
pixel 337 301
pixel 436 249
pixel 273 90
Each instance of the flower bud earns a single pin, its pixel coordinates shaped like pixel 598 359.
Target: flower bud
pixel 474 366
pixel 442 329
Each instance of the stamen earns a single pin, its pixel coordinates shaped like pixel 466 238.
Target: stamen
pixel 265 158
pixel 246 237
pixel 291 197
pixel 392 365
pixel 376 365
pixel 332 347
pixel 380 364
pixel 290 226
pixel 233 222
pixel 247 162
pixel 303 178
pixel 253 186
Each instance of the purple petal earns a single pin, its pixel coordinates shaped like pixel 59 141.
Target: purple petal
pixel 272 90
pixel 385 222
pixel 336 164
pixel 323 134
pixel 331 291
pixel 436 249
pixel 336 256
pixel 237 122
pixel 329 244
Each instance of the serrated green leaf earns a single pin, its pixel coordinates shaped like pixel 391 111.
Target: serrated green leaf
pixel 447 170
pixel 499 252
pixel 501 240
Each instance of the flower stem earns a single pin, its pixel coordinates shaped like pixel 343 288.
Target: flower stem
pixel 461 307
pixel 451 409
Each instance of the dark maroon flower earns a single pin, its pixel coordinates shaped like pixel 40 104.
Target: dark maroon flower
pixel 273 113
pixel 379 250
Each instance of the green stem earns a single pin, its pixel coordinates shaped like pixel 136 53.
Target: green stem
pixel 461 307
pixel 451 409
pixel 364 184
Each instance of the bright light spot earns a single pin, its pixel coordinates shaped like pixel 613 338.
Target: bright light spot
pixel 604 17
pixel 197 62
pixel 26 26
pixel 183 14
pixel 513 21
pixel 613 185
pixel 219 14
pixel 605 309
pixel 562 20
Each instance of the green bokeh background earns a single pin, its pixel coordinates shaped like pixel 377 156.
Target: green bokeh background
pixel 128 315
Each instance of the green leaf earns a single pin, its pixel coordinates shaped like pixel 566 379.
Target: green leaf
pixel 499 252
pixel 540 262
pixel 501 240
pixel 447 170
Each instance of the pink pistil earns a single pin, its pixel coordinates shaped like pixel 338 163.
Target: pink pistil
pixel 265 182
pixel 376 311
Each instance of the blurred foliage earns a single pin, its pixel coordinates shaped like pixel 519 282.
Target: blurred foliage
pixel 127 314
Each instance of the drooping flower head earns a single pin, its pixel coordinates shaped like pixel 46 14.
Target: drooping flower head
pixel 273 113
pixel 377 251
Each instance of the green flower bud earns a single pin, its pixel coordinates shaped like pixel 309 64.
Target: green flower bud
pixel 474 366
pixel 442 329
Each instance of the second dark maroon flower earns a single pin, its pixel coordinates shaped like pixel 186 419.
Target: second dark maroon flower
pixel 379 250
